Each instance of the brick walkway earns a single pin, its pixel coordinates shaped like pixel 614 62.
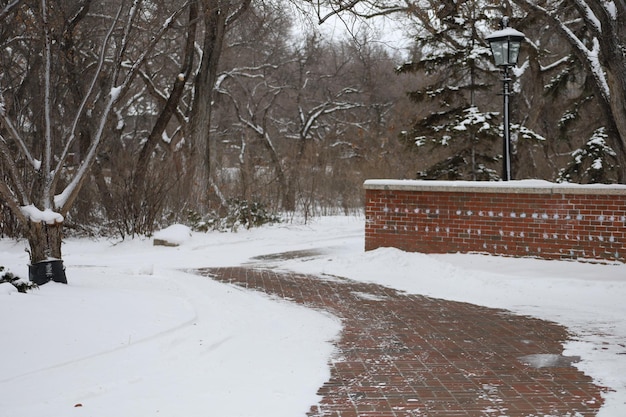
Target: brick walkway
pixel 405 355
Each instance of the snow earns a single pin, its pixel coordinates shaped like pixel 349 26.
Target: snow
pixel 61 199
pixel 115 93
pixel 176 233
pixel 593 56
pixel 597 164
pixel 136 333
pixel 609 6
pixel 525 185
pixel 41 216
pixel 6 289
pixel 590 17
pixel 505 33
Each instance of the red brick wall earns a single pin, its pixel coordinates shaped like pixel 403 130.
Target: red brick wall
pixel 515 219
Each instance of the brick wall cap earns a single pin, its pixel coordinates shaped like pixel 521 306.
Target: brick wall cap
pixel 511 187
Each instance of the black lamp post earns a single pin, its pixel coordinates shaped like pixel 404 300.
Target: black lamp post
pixel 505 45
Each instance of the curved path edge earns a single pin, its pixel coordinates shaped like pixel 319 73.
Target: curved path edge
pixel 404 355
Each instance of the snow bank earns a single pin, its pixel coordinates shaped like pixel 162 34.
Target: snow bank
pixel 176 234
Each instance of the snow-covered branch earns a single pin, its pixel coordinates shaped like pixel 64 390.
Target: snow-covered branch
pixel 591 20
pixel 314 114
pixel 557 63
pixel 127 28
pixel 591 57
pixel 244 72
pixel 65 198
pixel 243 7
pixel 81 108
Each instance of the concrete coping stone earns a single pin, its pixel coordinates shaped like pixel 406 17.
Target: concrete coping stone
pixel 501 187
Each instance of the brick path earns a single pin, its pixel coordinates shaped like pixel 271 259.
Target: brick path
pixel 405 355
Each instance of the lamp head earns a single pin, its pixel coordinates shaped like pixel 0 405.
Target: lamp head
pixel 505 46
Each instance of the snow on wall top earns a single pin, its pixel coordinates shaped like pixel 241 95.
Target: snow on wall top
pixel 516 187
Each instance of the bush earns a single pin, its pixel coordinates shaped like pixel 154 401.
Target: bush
pixel 249 214
pixel 17 282
pixel 238 213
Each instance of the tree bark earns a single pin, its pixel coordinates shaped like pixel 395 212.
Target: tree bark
pixel 216 18
pixel 200 121
pixel 45 252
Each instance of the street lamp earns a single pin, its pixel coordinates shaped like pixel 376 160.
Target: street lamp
pixel 505 46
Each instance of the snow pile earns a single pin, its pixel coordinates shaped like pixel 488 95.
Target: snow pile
pixel 176 234
pixel 7 288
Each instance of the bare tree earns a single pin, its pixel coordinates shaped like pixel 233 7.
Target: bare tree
pixel 39 131
pixel 291 105
pixel 305 119
pixel 217 16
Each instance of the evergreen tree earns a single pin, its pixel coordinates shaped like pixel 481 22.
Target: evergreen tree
pixel 593 163
pixel 455 62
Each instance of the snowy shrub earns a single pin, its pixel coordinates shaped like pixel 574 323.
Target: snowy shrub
pixel 592 164
pixel 249 214
pixel 238 213
pixel 200 223
pixel 17 282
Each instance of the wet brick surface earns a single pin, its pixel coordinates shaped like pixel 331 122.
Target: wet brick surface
pixel 403 355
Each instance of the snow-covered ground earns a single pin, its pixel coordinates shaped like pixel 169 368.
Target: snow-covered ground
pixel 133 334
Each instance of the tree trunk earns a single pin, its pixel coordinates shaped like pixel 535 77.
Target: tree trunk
pixel 45 252
pixel 291 190
pixel 200 121
pixel 617 105
pixel 216 15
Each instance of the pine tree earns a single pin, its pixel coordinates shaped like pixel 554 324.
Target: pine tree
pixel 593 163
pixel 460 136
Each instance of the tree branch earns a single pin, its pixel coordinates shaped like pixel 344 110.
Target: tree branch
pixel 9 8
pixel 130 75
pixel 589 57
pixel 20 194
pixel 47 156
pixel 81 108
pixel 245 5
pixel 171 103
pixel 17 137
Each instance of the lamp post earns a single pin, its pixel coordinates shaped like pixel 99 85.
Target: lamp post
pixel 505 45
